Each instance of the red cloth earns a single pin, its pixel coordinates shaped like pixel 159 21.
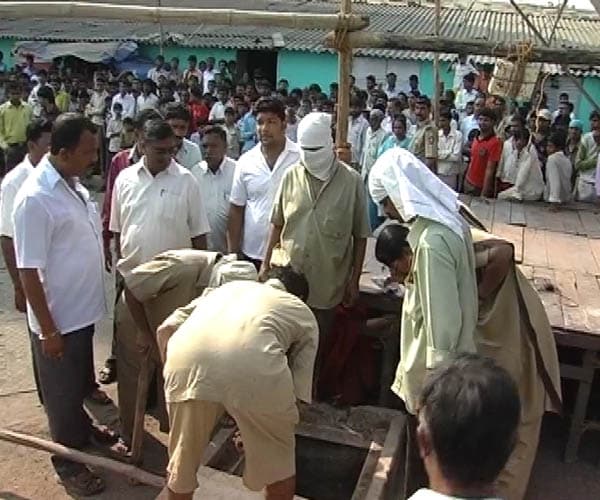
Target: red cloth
pixel 482 152
pixel 199 111
pixel 348 372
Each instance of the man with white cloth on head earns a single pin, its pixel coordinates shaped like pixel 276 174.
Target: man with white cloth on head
pixel 440 308
pixel 319 222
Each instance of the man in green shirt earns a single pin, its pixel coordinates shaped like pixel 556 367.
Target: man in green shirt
pixel 319 223
pixel 15 115
pixel 439 314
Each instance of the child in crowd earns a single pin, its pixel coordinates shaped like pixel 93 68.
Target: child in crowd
pixel 128 133
pixel 234 137
pixel 114 130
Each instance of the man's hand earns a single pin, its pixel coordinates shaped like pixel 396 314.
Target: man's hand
pixel 264 271
pixel 20 300
pixel 350 294
pixel 108 259
pixel 53 347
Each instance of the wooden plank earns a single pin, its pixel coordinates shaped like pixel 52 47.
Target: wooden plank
pixel 334 435
pixel 501 212
pixel 543 276
pixel 574 314
pixel 594 245
pixel 535 253
pixel 535 217
pixel 570 252
pixel 513 234
pixel 483 210
pixel 589 296
pixel 590 222
pixel 571 224
pixel 517 214
pixel 366 474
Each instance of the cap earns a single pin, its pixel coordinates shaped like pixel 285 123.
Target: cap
pixel 576 124
pixel 544 114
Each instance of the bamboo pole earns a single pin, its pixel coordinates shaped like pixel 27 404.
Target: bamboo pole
pixel 84 458
pixel 343 102
pixel 399 41
pixel 436 67
pixel 175 15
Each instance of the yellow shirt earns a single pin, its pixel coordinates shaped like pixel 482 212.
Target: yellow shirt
pixel 13 122
pixel 320 223
pixel 245 344
pixel 62 101
pixel 439 314
pixel 424 144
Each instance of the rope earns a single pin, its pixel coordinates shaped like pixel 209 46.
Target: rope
pixel 340 42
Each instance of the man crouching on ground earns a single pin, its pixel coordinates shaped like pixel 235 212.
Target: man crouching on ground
pixel 248 349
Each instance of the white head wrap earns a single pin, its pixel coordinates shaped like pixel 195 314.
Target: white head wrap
pixel 414 190
pixel 316 145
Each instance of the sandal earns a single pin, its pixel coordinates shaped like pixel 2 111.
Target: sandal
pixel 109 443
pixel 83 483
pixel 100 397
pixel 108 374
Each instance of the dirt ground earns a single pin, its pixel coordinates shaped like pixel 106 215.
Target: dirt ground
pixel 27 474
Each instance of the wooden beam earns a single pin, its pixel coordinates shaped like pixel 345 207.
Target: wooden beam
pixel 343 98
pixel 175 15
pixel 81 457
pixel 442 44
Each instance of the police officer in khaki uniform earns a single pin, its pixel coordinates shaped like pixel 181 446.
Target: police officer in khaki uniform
pixel 425 136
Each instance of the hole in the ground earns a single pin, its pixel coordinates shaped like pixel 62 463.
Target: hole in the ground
pixel 324 470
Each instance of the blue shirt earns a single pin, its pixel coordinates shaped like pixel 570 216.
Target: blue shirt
pixel 391 142
pixel 248 131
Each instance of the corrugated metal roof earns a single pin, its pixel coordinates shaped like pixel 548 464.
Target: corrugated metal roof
pixel 502 26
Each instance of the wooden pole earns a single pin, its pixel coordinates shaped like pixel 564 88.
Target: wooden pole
pixel 529 23
pixel 436 67
pixel 175 15
pixel 84 458
pixel 343 104
pixel 162 32
pixel 399 41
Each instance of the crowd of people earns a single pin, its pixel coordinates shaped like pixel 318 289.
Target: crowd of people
pixel 213 180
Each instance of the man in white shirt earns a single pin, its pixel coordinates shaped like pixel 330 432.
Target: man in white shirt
pixel 467 94
pixel 462 67
pixel 42 79
pixel 471 121
pixel 156 203
pixel 217 112
pixel 449 164
pixel 147 99
pixel 391 90
pixel 192 71
pixel 357 130
pixel 187 154
pixel 215 177
pixel 209 73
pixel 126 99
pixel 257 178
pixel 158 70
pixel 58 245
pixel 38 144
pixel 465 451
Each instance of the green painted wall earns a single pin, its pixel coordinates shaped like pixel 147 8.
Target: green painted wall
pixel 592 85
pixel 303 68
pixel 151 51
pixel 6 45
pixel 426 76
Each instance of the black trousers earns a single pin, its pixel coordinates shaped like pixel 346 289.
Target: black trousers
pixel 64 384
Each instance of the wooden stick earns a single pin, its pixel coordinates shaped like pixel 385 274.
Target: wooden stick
pixel 175 15
pixel 81 457
pixel 399 41
pixel 343 97
pixel 141 398
pixel 528 22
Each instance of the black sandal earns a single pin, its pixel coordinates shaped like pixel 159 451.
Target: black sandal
pixel 83 483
